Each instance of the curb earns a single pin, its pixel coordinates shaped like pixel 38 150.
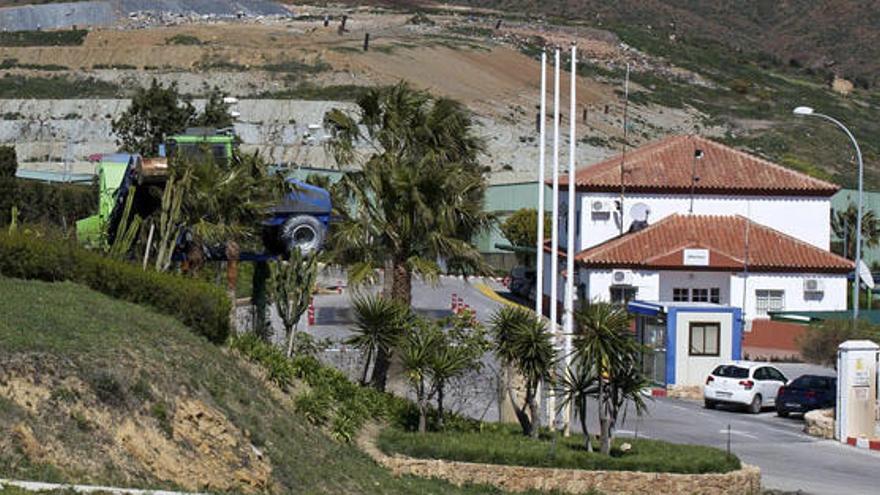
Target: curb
pixel 491 294
pixel 863 443
pixel 38 486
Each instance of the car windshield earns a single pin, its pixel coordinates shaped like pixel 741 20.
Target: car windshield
pixel 810 382
pixel 731 371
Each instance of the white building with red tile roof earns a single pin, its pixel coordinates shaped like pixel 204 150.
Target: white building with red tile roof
pixel 687 219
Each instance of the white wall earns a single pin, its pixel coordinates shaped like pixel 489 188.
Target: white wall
pixel 833 298
pixel 692 370
pixel 695 280
pixel 599 282
pixel 807 218
pixel 657 286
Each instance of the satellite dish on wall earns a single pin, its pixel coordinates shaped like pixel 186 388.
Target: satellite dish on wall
pixel 639 214
pixel 865 275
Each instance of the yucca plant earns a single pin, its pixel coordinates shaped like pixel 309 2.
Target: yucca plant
pixel 604 343
pixel 523 343
pixel 379 324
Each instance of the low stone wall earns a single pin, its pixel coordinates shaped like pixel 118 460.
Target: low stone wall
pixel 746 481
pixel 820 423
pixel 687 392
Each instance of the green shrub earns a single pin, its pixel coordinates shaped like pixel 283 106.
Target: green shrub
pixel 332 396
pixel 55 203
pixel 314 407
pixel 199 305
pixel 56 87
pixel 183 39
pixel 8 183
pixel 108 389
pixel 70 37
pixel 820 342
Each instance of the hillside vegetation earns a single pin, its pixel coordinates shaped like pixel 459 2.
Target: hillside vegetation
pixel 94 390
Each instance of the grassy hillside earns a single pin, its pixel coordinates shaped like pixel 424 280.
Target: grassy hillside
pixel 94 390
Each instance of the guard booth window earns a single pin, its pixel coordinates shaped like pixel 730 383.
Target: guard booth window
pixel 704 339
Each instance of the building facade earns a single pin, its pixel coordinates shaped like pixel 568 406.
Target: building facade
pixel 689 220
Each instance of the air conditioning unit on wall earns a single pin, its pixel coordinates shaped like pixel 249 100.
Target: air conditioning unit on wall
pixel 621 277
pixel 601 206
pixel 813 285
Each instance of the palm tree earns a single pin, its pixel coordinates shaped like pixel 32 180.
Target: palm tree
pixel 418 196
pixel 378 325
pixel 576 386
pixel 417 353
pixel 522 342
pixel 843 223
pixel 604 345
pixel 222 206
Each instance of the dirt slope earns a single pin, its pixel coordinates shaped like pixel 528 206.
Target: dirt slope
pixel 96 391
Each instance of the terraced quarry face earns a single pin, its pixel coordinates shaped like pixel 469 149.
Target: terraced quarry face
pixel 273 66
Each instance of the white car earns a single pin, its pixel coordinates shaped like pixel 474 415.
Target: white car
pixel 753 385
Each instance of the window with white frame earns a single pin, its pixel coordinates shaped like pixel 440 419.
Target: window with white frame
pixel 769 300
pixel 700 295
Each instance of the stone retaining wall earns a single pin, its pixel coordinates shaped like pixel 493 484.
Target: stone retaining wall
pixel 820 423
pixel 746 481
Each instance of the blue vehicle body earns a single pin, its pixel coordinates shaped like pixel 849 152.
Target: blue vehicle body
pixel 806 393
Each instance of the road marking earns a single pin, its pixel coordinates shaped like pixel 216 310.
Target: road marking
pixel 725 431
pixel 632 433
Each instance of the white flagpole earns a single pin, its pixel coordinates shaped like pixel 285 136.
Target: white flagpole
pixel 569 252
pixel 542 140
pixel 554 235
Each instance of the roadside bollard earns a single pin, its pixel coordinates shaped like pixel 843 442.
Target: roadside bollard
pixel 454 305
pixel 311 312
pixel 339 286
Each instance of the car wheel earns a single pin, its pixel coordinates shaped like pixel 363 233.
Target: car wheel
pixel 782 413
pixel 756 405
pixel 303 232
pixel 709 404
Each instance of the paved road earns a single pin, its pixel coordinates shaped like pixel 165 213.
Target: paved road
pixel 789 459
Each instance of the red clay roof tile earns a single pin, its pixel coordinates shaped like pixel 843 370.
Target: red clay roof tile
pixel 666 166
pixel 662 245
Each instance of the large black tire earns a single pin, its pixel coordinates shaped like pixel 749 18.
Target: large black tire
pixel 756 405
pixel 709 404
pixel 782 413
pixel 304 232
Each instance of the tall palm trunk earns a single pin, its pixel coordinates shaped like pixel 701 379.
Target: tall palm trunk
pixel 582 412
pixel 532 403
pixel 401 290
pixel 232 254
pixel 440 422
pixel 604 423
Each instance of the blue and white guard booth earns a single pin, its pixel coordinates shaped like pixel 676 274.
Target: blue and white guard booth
pixel 684 341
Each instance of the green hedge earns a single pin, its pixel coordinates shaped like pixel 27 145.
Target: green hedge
pixel 8 193
pixel 55 203
pixel 505 444
pixel 199 305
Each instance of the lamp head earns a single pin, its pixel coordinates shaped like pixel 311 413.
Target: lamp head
pixel 803 111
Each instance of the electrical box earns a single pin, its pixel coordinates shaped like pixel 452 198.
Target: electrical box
pixel 857 376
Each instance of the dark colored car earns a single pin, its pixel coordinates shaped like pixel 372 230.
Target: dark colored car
pixel 522 281
pixel 805 393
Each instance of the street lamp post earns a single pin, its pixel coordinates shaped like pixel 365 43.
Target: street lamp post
pixel 808 111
